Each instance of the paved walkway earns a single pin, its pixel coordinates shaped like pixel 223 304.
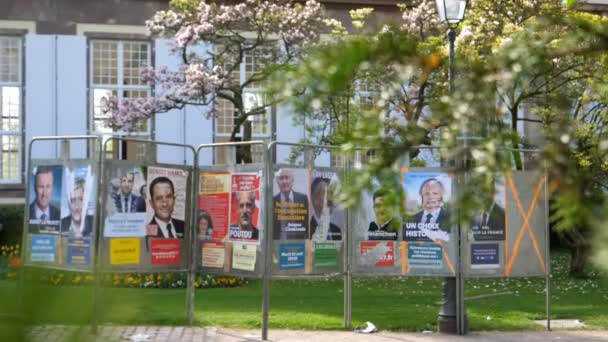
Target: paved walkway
pixel 187 334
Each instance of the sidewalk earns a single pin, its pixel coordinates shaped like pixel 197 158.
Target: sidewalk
pixel 142 333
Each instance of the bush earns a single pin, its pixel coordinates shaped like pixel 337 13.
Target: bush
pixel 11 219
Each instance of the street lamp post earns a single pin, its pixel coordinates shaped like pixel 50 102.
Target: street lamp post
pixel 451 13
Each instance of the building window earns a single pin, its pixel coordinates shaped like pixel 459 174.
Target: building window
pixel 10 108
pixel 115 67
pixel 261 127
pixel 364 97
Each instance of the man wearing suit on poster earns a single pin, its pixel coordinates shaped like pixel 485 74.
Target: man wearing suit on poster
pixel 434 218
pixel 162 201
pixel 382 227
pixel 41 208
pixel 489 224
pixel 125 200
pixel 291 204
pixel 319 192
pixel 73 224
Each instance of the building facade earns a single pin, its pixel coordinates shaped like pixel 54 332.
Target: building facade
pixel 58 58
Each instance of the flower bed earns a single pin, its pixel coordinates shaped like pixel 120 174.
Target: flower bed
pixel 10 262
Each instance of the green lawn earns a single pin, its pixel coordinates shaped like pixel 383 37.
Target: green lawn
pixel 390 303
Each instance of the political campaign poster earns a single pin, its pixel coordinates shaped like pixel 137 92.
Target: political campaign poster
pixel 377 253
pixel 166 212
pixel 78 202
pixel 484 255
pixel 292 256
pixel 427 204
pixel 384 225
pixel 327 217
pixel 79 251
pixel 244 256
pixel 45 192
pixel 42 248
pixel 125 251
pixel 424 255
pixel 214 205
pixel 378 214
pixel 126 203
pixel 326 254
pixel 244 207
pixel 165 252
pixel 213 254
pixel 291 204
pixel 488 222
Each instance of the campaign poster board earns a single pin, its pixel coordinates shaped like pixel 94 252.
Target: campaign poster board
pixel 414 238
pixel 230 220
pixel 146 217
pixel 309 223
pixel 62 214
pixel 508 238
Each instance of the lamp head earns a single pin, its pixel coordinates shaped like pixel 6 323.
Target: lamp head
pixel 451 12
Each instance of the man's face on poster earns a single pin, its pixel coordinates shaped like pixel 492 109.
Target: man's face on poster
pixel 432 195
pixel 44 189
pixel 163 201
pixel 126 183
pixel 318 197
pixel 285 181
pixel 380 209
pixel 246 206
pixel 76 203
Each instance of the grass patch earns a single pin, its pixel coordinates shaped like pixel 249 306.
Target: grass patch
pixel 392 303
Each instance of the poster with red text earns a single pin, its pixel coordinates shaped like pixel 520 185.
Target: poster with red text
pixel 213 205
pixel 165 252
pixel 245 207
pixel 377 253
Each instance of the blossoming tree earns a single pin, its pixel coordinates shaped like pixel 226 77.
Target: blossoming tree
pixel 275 33
pixel 530 54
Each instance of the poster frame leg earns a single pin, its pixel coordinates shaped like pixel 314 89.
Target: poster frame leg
pixel 191 290
pixel 267 241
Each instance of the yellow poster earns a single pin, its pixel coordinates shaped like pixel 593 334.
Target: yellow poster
pixel 124 251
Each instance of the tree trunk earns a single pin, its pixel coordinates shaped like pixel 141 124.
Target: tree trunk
pixel 580 250
pixel 579 258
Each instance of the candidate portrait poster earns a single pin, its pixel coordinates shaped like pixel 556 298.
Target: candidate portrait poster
pixel 167 198
pixel 78 202
pixel 44 194
pixel 488 220
pixel 126 202
pixel 245 207
pixel 214 205
pixel 291 204
pixel 427 201
pixel 378 217
pixel 327 217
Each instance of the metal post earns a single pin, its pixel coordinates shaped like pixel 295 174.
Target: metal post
pixel 348 276
pixel 452 306
pixel 101 200
pixel 194 243
pixel 267 241
pixel 548 258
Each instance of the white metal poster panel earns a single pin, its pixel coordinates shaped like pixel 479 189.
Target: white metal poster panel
pixel 421 242
pixel 61 211
pixel 145 222
pixel 230 220
pixel 509 237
